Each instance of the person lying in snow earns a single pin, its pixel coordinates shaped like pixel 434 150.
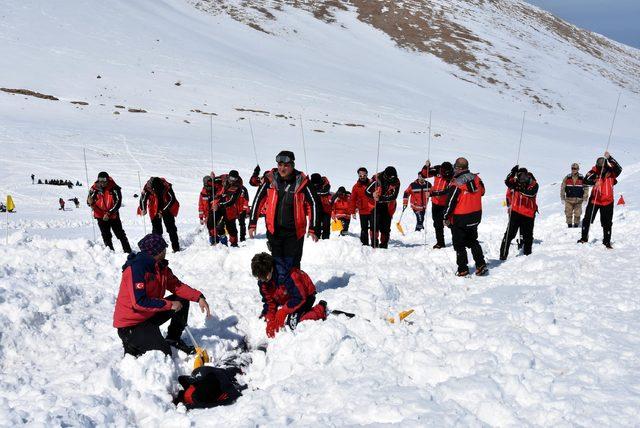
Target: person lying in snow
pixel 209 387
pixel 141 306
pixel 291 302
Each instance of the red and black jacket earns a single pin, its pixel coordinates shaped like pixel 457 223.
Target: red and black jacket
pixel 603 182
pixel 574 187
pixel 360 202
pixel 105 200
pixel 286 203
pixel 341 206
pixel 289 296
pixel 521 198
pixel 324 193
pixel 464 203
pixel 440 190
pixel 163 202
pixel 227 195
pixel 243 201
pixel 416 195
pixel 142 288
pixel 387 190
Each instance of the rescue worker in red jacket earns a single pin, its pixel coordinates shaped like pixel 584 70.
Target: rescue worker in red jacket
pixel 205 201
pixel 105 199
pixel 160 202
pixel 463 215
pixel 363 205
pixel 287 303
pixel 439 193
pixel 384 189
pixel 243 211
pixel 522 189
pixel 603 176
pixel 141 305
pixel 225 204
pixel 341 209
pixel 323 189
pixel 287 198
pixel 417 194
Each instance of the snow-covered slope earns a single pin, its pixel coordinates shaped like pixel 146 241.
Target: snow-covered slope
pixel 550 339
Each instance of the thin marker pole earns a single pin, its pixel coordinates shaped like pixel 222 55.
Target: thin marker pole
pixel 304 146
pixel 86 173
pixel 144 220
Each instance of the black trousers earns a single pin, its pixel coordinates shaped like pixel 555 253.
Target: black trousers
pixel 170 224
pixel 463 238
pixel 437 212
pixel 286 250
pixel 146 336
pixel 606 221
pixel 345 225
pixel 242 221
pixel 524 224
pixel 225 223
pixel 382 226
pixel 106 226
pixel 325 225
pixel 419 219
pixel 365 226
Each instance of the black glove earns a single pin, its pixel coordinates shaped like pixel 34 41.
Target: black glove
pixel 515 169
pixel 256 170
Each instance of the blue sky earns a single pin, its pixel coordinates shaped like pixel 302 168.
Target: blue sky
pixel 617 19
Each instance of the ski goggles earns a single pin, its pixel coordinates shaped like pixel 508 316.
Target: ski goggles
pixel 102 180
pixel 232 179
pixel 283 159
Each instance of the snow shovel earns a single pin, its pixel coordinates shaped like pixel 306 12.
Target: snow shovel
pixel 399 225
pixel 202 356
pixel 336 226
pixel 401 316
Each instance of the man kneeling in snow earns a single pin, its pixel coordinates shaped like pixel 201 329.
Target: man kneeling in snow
pixel 141 306
pixel 291 302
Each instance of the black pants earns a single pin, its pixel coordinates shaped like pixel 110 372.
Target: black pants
pixel 463 238
pixel 214 219
pixel 365 226
pixel 325 225
pixel 345 225
pixel 170 224
pixel 225 223
pixel 606 221
pixel 242 221
pixel 382 226
pixel 106 226
pixel 286 250
pixel 524 224
pixel 437 212
pixel 419 219
pixel 294 318
pixel 146 336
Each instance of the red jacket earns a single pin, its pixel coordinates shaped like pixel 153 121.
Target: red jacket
pixel 438 193
pixel 149 200
pixel 305 200
pixel 243 201
pixel 288 296
pixel 522 198
pixel 464 203
pixel 387 192
pixel 227 195
pixel 360 202
pixel 342 207
pixel 324 193
pixel 416 194
pixel 106 200
pixel 142 288
pixel 602 192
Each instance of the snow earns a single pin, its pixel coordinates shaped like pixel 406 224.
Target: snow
pixel 549 339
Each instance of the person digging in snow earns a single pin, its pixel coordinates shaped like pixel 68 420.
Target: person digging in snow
pixel 287 303
pixel 141 306
pixel 341 209
pixel 417 194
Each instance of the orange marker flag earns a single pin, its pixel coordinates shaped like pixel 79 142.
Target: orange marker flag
pixel 621 200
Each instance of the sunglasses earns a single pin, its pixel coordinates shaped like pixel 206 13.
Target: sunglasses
pixel 102 180
pixel 283 159
pixel 575 169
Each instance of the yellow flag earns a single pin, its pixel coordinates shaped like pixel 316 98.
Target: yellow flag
pixel 10 205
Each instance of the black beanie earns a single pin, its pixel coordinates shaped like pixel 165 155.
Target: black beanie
pixel 233 173
pixel 363 169
pixel 316 179
pixel 103 175
pixel 390 172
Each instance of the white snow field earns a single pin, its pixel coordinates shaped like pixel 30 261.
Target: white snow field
pixel 552 339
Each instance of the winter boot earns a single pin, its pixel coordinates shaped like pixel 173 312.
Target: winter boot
pixel 462 273
pixel 438 246
pixel 180 345
pixel 576 225
pixel 482 270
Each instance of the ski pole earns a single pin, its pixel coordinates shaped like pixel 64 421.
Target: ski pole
pixel 213 184
pixel 86 173
pixel 426 197
pixel 253 140
pixel 304 147
pixel 375 207
pixel 506 236
pixel 144 220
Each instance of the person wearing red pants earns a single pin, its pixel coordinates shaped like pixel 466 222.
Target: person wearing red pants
pixel 289 303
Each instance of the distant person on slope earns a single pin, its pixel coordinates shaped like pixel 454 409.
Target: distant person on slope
pixel 161 203
pixel 383 189
pixel 322 187
pixel 141 306
pixel 75 201
pixel 287 198
pixel 417 194
pixel 289 302
pixel 439 192
pixel 463 214
pixel 105 199
pixel 572 193
pixel 363 205
pixel 522 189
pixel 61 202
pixel 603 176
pixel 33 179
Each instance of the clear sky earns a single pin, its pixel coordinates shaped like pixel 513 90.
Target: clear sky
pixel 617 19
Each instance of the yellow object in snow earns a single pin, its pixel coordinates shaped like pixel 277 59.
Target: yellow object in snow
pixel 336 226
pixel 10 205
pixel 400 228
pixel 504 203
pixel 401 316
pixel 202 357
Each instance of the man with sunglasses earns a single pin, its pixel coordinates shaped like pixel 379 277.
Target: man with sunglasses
pixel 287 198
pixel 572 193
pixel 105 199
